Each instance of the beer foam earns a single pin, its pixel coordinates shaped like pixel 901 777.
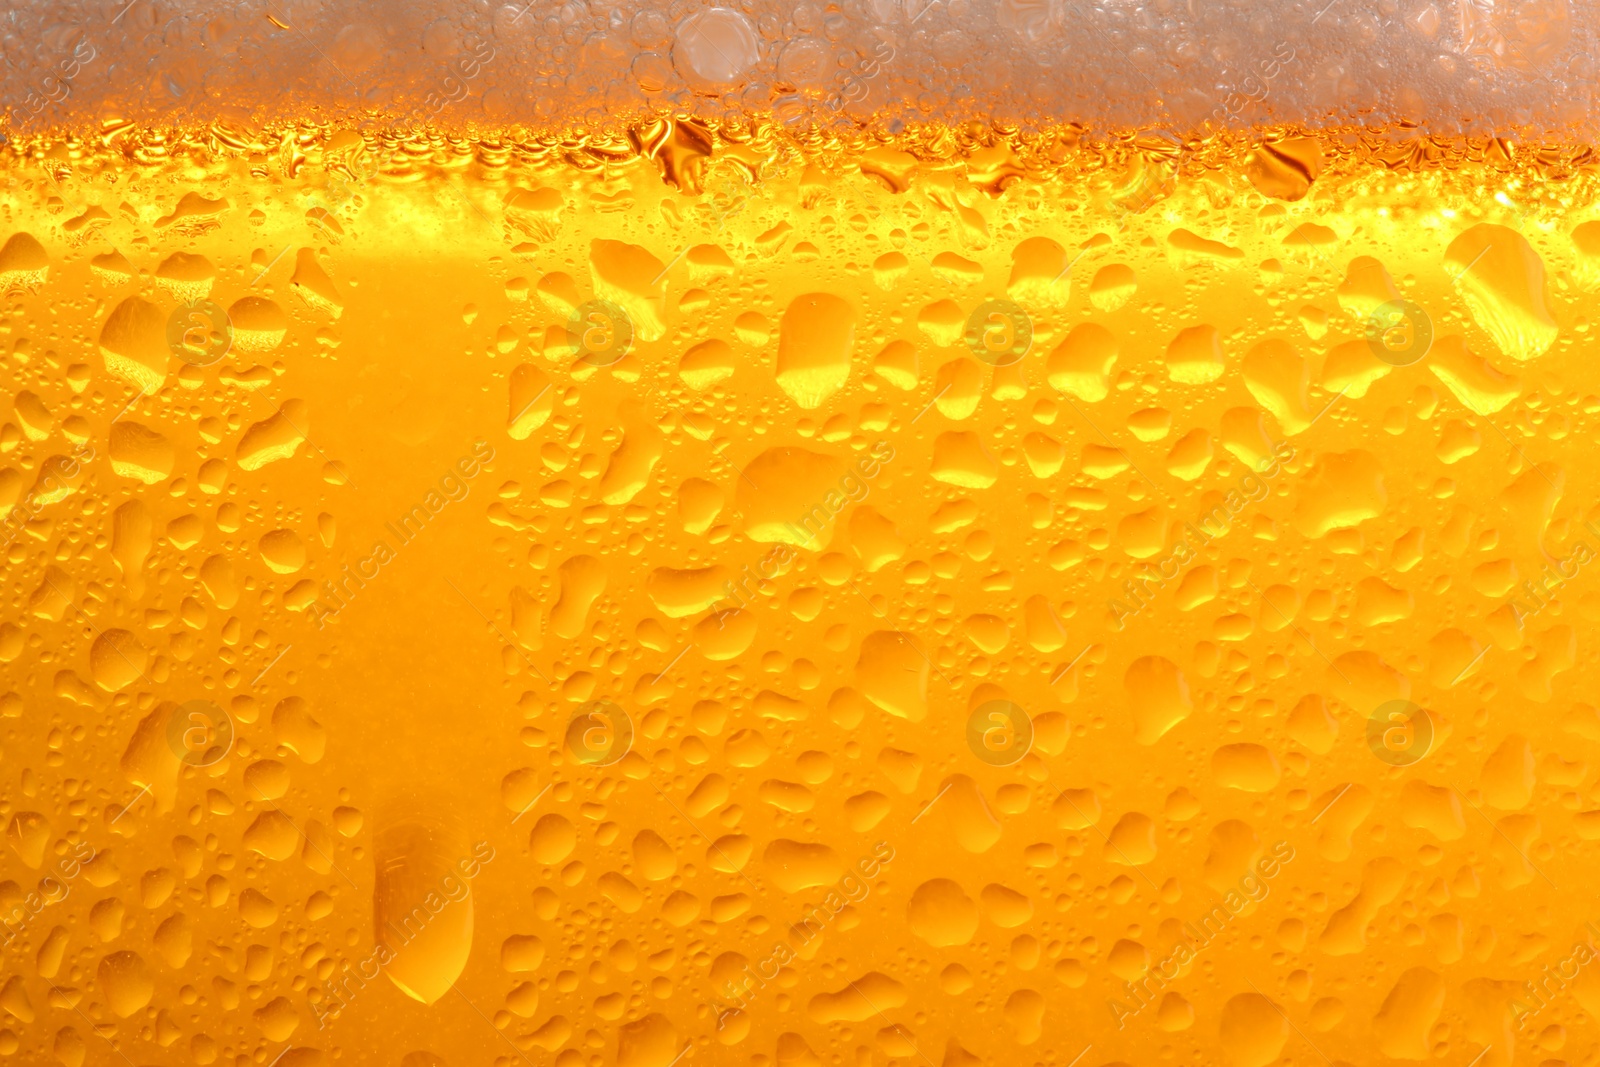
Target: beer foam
pixel 1474 66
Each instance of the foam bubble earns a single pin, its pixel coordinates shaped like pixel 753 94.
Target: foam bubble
pixel 1453 65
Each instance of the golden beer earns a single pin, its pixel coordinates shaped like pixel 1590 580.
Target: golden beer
pixel 744 590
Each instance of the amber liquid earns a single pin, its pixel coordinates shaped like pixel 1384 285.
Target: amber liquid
pixel 977 598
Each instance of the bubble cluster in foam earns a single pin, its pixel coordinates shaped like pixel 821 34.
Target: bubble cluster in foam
pixel 1475 65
